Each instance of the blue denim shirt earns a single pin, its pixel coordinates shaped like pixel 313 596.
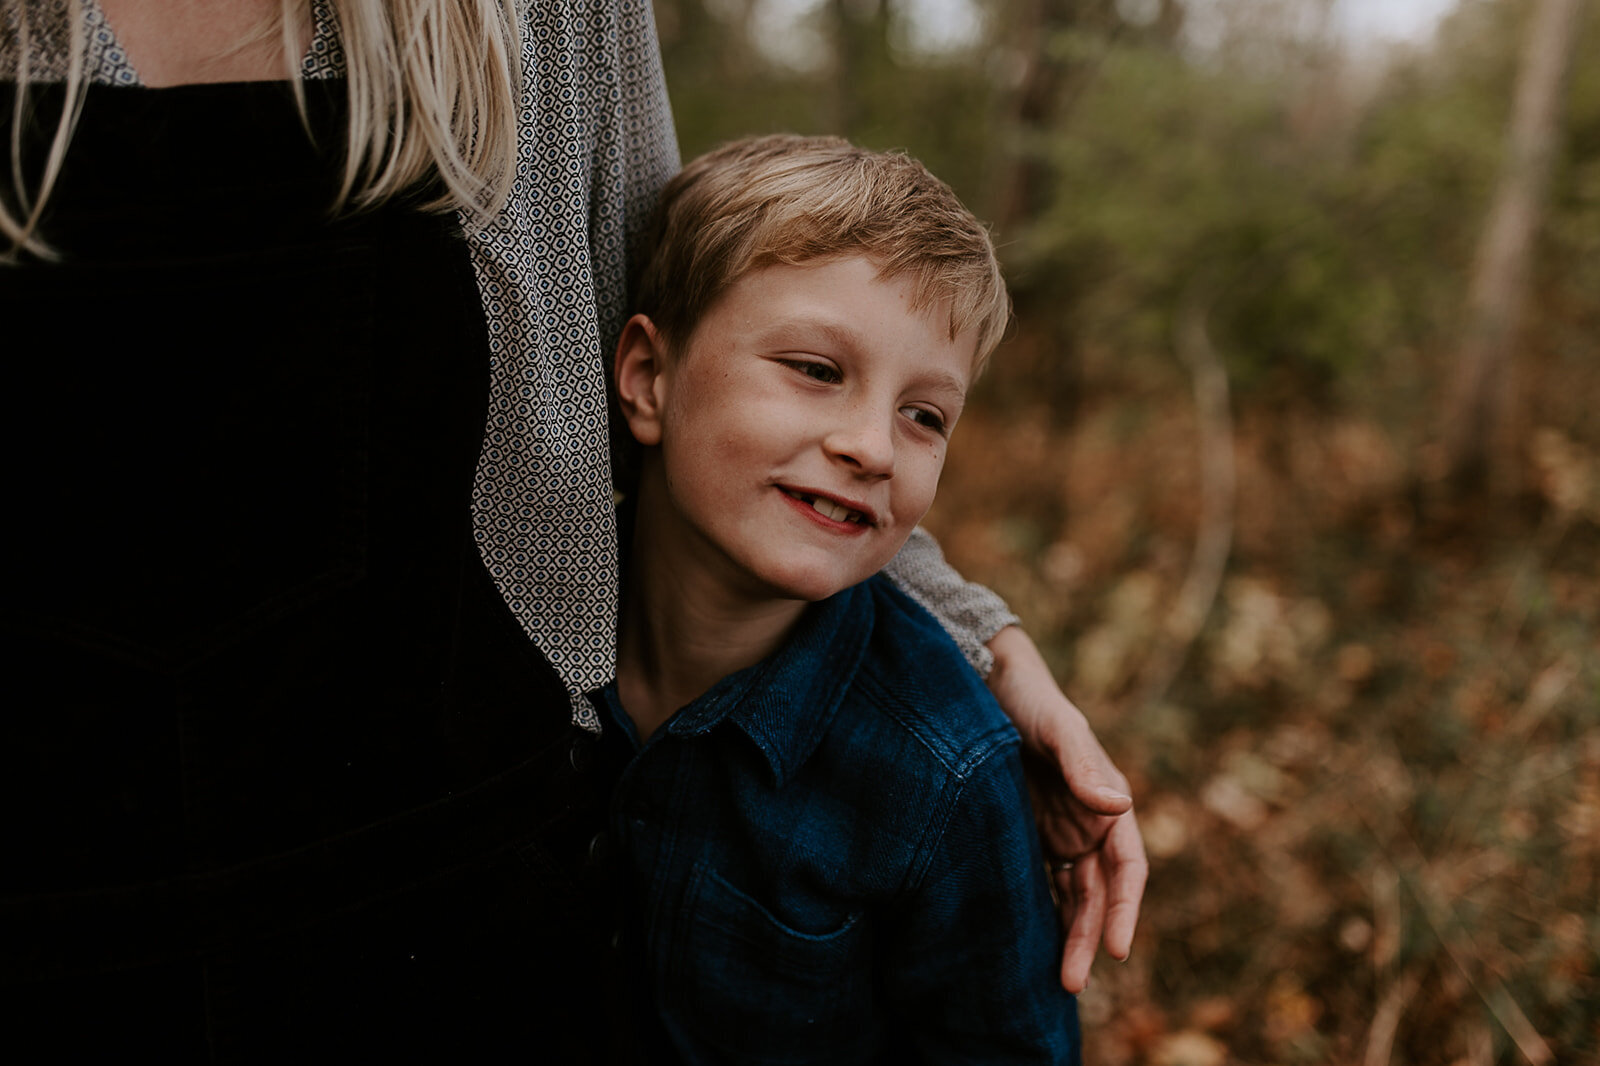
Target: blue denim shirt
pixel 832 859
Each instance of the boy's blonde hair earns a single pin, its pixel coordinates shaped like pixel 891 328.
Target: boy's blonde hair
pixel 789 199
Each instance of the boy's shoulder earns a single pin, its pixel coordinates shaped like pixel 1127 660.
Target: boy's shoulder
pixel 870 688
pixel 914 674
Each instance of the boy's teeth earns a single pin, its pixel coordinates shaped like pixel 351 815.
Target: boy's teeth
pixel 833 510
pixel 836 511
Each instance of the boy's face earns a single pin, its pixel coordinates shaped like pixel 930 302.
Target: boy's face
pixel 802 427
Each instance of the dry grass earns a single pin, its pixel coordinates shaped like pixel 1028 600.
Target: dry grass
pixel 1371 794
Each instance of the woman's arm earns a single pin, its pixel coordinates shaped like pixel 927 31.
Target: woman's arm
pixel 969 612
pixel 1082 804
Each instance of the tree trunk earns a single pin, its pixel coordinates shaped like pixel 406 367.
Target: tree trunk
pixel 1022 189
pixel 861 57
pixel 1479 441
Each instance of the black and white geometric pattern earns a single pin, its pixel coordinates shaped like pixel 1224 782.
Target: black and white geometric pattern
pixel 324 57
pixel 50 44
pixel 106 61
pixel 596 145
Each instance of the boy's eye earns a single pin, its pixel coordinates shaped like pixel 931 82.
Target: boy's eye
pixel 824 372
pixel 925 417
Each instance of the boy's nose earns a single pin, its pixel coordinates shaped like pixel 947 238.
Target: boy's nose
pixel 865 442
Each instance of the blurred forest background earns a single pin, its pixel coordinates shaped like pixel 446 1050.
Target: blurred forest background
pixel 1292 467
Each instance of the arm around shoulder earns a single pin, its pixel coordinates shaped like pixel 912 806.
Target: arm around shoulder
pixel 970 613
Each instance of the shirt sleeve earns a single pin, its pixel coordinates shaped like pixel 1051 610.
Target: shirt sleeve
pixel 970 613
pixel 973 952
pixel 635 149
pixel 594 147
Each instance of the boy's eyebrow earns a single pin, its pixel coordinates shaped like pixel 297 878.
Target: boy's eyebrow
pixel 945 381
pixel 836 333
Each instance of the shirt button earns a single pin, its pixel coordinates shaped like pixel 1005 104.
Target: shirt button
pixel 580 753
pixel 599 848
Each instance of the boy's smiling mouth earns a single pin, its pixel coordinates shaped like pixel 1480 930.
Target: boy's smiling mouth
pixel 832 509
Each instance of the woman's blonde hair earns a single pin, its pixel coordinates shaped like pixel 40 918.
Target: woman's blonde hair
pixel 790 199
pixel 433 90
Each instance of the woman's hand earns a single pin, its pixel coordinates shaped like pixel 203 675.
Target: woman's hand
pixel 1082 804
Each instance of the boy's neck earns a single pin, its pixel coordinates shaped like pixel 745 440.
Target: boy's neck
pixel 682 628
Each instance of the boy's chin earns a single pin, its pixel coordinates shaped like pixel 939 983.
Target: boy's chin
pixel 808 591
pixel 813 572
pixel 812 586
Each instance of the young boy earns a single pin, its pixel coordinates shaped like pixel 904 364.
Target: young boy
pixel 823 818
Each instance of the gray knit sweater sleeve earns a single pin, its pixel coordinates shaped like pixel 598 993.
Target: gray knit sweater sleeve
pixel 970 613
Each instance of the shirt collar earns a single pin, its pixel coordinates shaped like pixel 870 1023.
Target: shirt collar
pixel 786 702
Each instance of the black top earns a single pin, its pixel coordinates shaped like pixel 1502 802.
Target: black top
pixel 283 776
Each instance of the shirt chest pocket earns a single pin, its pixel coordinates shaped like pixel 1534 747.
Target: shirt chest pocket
pixel 742 981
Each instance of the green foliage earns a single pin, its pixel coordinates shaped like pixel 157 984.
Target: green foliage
pixel 719 88
pixel 1329 228
pixel 937 107
pixel 1322 239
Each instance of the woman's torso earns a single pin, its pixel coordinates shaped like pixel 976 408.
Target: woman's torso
pixel 284 753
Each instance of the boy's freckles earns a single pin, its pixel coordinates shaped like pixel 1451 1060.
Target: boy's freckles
pixel 804 427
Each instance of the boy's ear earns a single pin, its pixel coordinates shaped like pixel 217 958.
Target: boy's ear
pixel 640 365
